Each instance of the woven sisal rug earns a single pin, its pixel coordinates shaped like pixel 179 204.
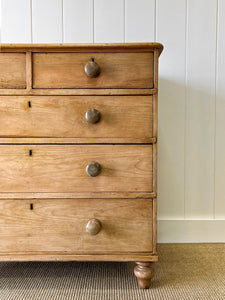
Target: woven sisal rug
pixel 185 271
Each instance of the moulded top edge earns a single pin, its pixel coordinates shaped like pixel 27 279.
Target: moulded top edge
pixel 123 47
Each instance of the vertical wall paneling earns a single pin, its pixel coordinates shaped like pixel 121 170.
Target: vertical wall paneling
pixel 220 117
pixel 171 29
pixel 47 21
pixel 108 21
pixel 16 21
pixel 139 20
pixel 78 21
pixel 201 58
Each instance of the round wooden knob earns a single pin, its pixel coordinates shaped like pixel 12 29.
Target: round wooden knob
pixel 93 226
pixel 92 116
pixel 93 169
pixel 92 69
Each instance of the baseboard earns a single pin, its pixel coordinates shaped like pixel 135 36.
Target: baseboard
pixel 191 231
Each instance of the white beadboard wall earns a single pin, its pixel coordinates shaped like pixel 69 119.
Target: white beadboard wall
pixel 191 159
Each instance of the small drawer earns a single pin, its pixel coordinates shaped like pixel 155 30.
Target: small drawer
pixel 110 70
pixel 76 168
pixel 77 116
pixel 67 226
pixel 12 70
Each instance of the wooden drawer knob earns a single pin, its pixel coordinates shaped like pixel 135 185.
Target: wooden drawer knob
pixel 93 226
pixel 93 169
pixel 92 116
pixel 92 69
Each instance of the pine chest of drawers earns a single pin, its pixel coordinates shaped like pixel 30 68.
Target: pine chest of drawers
pixel 78 146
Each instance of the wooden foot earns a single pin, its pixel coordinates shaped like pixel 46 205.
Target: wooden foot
pixel 144 273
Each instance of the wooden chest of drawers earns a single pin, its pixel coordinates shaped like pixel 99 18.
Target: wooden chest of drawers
pixel 78 146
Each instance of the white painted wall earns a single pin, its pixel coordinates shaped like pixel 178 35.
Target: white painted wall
pixel 191 165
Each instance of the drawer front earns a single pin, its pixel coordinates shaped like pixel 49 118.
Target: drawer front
pixel 60 225
pixel 117 70
pixel 58 116
pixel 58 168
pixel 12 70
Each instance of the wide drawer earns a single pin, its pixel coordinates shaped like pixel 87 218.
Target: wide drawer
pixel 117 70
pixel 60 225
pixel 65 116
pixel 62 168
pixel 12 70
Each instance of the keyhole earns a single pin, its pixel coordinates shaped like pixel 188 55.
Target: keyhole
pixel 31 206
pixel 30 152
pixel 29 103
pixel 92 59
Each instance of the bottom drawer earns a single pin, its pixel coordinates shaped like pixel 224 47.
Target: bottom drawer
pixel 61 225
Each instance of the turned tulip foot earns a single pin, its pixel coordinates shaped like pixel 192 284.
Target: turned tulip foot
pixel 144 273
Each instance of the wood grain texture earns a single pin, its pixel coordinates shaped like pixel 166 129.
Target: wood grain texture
pixel 56 168
pixel 155 115
pixel 46 144
pixel 77 92
pixel 121 117
pixel 82 47
pixel 80 195
pixel 154 164
pixel 156 69
pixel 62 140
pixel 62 225
pixel 144 273
pixel 154 224
pixel 118 70
pixel 12 70
pixel 29 71
pixel 59 256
